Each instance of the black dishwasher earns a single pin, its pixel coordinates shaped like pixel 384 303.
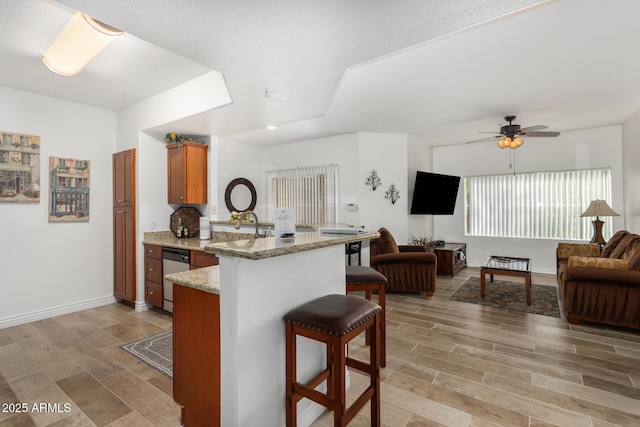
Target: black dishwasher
pixel 173 261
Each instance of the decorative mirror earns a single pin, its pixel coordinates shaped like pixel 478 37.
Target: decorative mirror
pixel 240 195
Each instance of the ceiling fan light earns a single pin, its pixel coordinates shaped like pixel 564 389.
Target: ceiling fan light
pixel 517 142
pixel 79 42
pixel 504 142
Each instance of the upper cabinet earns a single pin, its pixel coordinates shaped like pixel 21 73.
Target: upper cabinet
pixel 124 189
pixel 187 173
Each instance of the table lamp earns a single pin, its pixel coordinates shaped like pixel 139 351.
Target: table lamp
pixel 598 208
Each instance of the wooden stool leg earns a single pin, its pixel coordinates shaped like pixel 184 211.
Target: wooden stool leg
pixel 383 328
pixel 375 370
pixel 291 404
pixel 367 339
pixel 339 382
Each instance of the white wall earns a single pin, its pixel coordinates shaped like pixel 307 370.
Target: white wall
pixel 420 158
pixel 592 148
pixel 235 160
pixel 631 161
pixel 387 154
pixel 356 154
pixel 52 268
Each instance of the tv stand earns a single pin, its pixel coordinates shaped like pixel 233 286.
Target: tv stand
pixel 452 257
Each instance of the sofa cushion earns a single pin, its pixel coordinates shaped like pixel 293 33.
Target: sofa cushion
pixel 613 242
pixel 632 255
pixel 387 244
pixel 565 250
pixel 580 261
pixel 626 243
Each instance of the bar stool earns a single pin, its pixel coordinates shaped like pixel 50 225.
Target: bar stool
pixel 367 279
pixel 334 320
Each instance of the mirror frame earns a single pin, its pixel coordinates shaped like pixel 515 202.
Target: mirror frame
pixel 233 184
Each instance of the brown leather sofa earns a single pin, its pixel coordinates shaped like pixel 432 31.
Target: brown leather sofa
pixel 601 285
pixel 408 268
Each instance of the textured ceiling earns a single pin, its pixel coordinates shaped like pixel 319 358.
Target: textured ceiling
pixel 441 70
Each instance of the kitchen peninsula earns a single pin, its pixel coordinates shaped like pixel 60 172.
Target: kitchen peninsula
pixel 229 349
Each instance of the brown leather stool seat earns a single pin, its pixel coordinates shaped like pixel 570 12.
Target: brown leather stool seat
pixel 334 320
pixel 367 279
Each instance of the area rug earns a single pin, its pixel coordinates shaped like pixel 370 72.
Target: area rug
pixel 156 351
pixel 510 295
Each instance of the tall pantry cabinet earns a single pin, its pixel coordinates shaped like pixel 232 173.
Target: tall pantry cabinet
pixel 124 225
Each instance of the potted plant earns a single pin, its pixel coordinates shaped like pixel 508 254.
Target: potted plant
pixel 424 240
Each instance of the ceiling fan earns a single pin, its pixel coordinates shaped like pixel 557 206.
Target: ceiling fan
pixel 510 134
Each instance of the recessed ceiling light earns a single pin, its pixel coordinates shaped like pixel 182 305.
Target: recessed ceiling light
pixel 272 127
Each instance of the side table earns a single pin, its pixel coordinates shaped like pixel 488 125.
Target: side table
pixel 452 257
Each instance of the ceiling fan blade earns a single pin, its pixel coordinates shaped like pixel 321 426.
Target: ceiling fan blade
pixel 488 138
pixel 532 128
pixel 488 132
pixel 541 134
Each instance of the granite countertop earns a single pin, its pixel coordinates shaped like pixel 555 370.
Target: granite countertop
pixel 208 278
pixel 267 247
pixel 168 239
pixel 205 279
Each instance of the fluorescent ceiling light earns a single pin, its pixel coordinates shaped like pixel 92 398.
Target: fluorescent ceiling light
pixel 81 40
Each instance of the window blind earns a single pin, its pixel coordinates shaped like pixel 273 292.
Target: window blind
pixel 310 191
pixel 536 205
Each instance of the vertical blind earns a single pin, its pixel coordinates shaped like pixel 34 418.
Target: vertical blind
pixel 537 205
pixel 310 191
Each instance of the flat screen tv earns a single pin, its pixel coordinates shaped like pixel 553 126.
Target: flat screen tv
pixel 434 194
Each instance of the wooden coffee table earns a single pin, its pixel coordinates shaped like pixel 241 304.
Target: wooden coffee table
pixel 507 266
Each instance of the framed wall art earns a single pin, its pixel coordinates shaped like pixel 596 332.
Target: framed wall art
pixel 68 189
pixel 19 167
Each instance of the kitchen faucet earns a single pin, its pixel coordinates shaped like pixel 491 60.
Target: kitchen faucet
pixel 242 215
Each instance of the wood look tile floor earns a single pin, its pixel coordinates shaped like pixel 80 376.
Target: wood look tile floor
pixel 449 363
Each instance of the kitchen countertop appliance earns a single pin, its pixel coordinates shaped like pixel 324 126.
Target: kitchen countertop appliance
pixel 173 261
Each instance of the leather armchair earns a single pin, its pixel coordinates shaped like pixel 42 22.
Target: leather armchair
pixel 408 268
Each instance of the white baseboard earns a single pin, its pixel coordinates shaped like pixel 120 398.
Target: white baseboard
pixel 310 414
pixel 55 311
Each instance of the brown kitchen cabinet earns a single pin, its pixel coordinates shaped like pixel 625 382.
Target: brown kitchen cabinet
pixel 451 258
pixel 124 253
pixel 124 224
pixel 201 259
pixel 124 189
pixel 153 275
pixel 196 356
pixel 187 173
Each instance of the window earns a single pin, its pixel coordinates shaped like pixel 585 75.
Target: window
pixel 536 205
pixel 311 192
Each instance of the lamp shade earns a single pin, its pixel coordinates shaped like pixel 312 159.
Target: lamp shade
pixel 80 41
pixel 599 208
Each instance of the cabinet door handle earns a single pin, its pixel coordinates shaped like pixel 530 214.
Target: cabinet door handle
pixel 151 251
pixel 151 269
pixel 152 292
pixel 181 197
